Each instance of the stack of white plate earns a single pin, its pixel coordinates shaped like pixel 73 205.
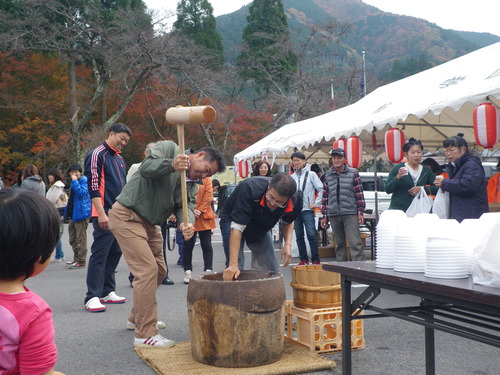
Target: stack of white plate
pixel 385 237
pixel 445 256
pixel 411 239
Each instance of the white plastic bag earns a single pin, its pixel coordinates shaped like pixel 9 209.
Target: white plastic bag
pixel 421 204
pixel 486 270
pixel 441 205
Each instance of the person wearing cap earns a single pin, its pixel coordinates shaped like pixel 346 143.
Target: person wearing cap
pixel 343 205
pixel 308 183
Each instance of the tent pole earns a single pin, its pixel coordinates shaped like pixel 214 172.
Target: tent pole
pixel 374 147
pixel 376 185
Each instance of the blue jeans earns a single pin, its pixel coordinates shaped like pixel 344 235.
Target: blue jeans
pixel 306 219
pixel 59 251
pixel 104 258
pixel 262 249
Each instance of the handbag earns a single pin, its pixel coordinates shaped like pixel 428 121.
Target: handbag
pixel 441 205
pixel 421 203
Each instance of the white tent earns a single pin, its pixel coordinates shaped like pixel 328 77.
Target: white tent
pixel 431 106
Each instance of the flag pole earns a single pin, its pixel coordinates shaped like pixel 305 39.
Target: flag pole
pixel 332 93
pixel 362 93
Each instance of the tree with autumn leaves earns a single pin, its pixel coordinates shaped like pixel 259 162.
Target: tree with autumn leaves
pixel 108 64
pixel 69 69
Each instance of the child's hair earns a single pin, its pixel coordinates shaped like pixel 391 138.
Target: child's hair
pixel 75 167
pixel 412 142
pixel 29 231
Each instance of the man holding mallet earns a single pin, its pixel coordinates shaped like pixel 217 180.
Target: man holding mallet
pixel 153 194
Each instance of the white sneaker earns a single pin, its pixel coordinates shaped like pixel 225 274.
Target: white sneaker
pixel 207 272
pixel 113 298
pixel 157 341
pixel 187 276
pixel 94 305
pixel 56 260
pixel 159 325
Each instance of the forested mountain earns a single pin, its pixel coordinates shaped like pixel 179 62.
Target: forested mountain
pixel 387 38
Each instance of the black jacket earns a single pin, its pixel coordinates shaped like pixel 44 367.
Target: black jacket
pixel 467 187
pixel 247 206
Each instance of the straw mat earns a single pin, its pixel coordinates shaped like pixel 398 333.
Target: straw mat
pixel 178 361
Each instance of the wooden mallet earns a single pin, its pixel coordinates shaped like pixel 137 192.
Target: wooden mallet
pixel 181 116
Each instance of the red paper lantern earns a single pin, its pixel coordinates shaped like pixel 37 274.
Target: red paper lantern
pixel 486 125
pixel 354 152
pixel 340 143
pixel 243 169
pixel 394 140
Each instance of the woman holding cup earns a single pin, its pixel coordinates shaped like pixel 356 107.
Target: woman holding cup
pixel 407 179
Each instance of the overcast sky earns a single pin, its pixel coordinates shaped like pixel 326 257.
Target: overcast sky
pixel 482 16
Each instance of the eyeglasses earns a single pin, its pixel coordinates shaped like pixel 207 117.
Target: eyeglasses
pixel 274 202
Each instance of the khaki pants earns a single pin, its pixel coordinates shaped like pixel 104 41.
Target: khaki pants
pixel 347 227
pixel 77 231
pixel 142 248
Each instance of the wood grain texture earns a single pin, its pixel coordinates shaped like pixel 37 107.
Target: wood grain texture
pixel 237 323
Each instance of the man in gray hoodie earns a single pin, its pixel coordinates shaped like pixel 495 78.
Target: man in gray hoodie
pixel 312 189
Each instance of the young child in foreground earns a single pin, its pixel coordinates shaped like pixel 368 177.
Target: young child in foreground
pixel 29 231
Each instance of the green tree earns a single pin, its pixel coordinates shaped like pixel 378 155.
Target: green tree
pixel 267 56
pixel 195 20
pixel 408 67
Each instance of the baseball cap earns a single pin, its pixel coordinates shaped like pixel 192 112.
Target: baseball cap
pixel 338 151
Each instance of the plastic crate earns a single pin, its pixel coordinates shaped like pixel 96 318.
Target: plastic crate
pixel 320 329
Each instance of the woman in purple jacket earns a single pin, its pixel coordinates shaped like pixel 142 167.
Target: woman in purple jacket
pixel 466 183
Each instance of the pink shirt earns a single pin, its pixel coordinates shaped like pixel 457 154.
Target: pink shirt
pixel 26 334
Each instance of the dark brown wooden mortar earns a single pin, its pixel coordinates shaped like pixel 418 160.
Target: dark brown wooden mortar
pixel 237 323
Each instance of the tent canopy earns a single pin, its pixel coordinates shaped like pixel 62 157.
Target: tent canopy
pixel 431 106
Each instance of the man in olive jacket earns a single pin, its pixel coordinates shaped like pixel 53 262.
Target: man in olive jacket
pixel 146 202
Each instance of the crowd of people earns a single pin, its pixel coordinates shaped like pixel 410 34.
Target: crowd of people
pixel 131 213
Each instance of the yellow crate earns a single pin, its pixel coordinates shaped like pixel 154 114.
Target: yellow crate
pixel 320 329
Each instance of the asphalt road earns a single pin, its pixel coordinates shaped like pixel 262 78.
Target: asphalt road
pixel 99 344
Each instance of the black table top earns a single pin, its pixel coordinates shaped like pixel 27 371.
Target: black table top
pixel 454 290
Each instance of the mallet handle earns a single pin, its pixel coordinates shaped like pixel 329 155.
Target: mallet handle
pixel 181 116
pixel 182 148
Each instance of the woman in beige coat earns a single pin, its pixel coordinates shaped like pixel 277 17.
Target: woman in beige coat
pixel 59 199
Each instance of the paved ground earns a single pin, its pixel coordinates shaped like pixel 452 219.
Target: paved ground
pixel 99 344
